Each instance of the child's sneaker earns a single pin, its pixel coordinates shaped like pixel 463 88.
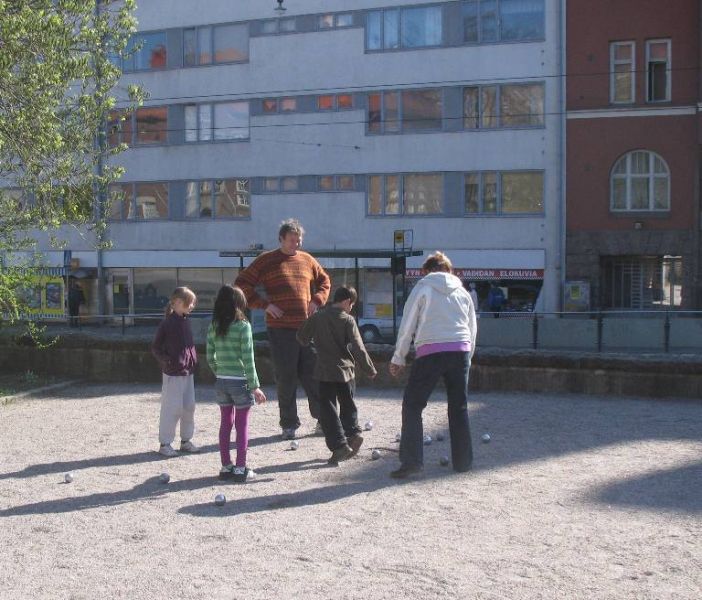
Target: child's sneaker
pixel 189 447
pixel 167 450
pixel 226 472
pixel 243 474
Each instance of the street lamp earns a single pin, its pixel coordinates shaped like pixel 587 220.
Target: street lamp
pixel 280 8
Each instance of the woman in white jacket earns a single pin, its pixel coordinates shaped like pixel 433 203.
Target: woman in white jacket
pixel 439 315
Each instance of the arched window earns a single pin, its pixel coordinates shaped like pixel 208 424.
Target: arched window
pixel 640 181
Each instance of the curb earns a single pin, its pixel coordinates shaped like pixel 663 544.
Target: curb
pixel 4 400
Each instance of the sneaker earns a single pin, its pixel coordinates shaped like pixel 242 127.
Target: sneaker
pixel 355 442
pixel 243 474
pixel 406 472
pixel 318 429
pixel 226 472
pixel 343 453
pixel 167 450
pixel 288 434
pixel 189 447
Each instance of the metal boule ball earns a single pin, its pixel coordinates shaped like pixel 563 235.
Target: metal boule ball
pixel 375 455
pixel 294 445
pixel 68 477
pixel 485 438
pixel 444 461
pixel 164 477
pixel 427 440
pixel 220 499
pixel 368 426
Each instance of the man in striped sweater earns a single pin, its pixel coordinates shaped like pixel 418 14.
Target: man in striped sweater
pixel 296 285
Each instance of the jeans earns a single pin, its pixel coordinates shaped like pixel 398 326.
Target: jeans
pixel 423 377
pixel 338 427
pixel 291 362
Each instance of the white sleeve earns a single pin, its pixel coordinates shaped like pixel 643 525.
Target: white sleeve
pixel 473 324
pixel 408 326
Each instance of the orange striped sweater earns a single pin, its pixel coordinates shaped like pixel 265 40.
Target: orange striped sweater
pixel 290 282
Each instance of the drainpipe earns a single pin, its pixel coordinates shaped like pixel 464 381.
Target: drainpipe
pixel 562 149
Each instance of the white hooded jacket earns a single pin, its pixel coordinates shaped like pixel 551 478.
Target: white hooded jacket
pixel 438 310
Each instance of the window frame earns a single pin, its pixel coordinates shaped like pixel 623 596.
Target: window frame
pixel 400 10
pixel 498 105
pixel 668 70
pixel 200 139
pixel 499 194
pixel 651 176
pixel 211 29
pixel 498 25
pixel 613 62
pixel 132 57
pixel 401 195
pixel 400 112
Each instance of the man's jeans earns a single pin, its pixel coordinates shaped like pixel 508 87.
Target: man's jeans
pixel 338 427
pixel 424 376
pixel 292 361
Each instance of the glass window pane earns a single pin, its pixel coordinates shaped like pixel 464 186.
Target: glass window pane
pixel 287 104
pixel 374 30
pixel 522 105
pixel 271 184
pixel 659 165
pixel 192 209
pixel 421 109
pixel 488 108
pixel 392 194
pixel 191 123
pixel 231 43
pixel 391 116
pixel 205 119
pixel 640 162
pixel 152 51
pixel 205 45
pixel 422 194
pixel 205 283
pixel 657 82
pixel 119 199
pixel 374 113
pixel 289 184
pixel 344 20
pixel 639 193
pixel 421 27
pixel 521 19
pixel 344 101
pixel 622 52
pixel 152 200
pixel 326 182
pixel 619 193
pixel 375 195
pixel 391 29
pixel 471 114
pixel 472 193
pixel 522 192
pixel 189 47
pixel 152 289
pixel 205 199
pixel 231 120
pixel 325 102
pixel 269 27
pixel 345 182
pixel 620 167
pixel 661 199
pixel 470 21
pixel 152 125
pixel 622 83
pixel 325 21
pixel 488 21
pixel 658 50
pixel 232 198
pixel 270 105
pixel 490 192
pixel 287 24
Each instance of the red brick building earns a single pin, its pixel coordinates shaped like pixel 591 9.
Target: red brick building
pixel 632 164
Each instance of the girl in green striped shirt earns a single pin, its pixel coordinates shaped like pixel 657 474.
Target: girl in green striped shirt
pixel 231 357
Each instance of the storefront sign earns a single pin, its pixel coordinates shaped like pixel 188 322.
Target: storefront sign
pixel 487 274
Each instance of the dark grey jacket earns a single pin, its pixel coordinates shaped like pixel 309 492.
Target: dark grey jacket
pixel 338 342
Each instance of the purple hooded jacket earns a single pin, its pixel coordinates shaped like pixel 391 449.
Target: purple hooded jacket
pixel 173 346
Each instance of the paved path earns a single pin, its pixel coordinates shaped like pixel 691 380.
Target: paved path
pixel 574 497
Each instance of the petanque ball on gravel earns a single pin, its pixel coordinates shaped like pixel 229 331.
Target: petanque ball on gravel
pixel 375 455
pixel 164 477
pixel 368 426
pixel 427 440
pixel 294 445
pixel 440 437
pixel 444 461
pixel 220 499
pixel 486 438
pixel 398 437
pixel 68 478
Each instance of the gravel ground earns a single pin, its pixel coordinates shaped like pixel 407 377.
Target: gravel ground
pixel 574 497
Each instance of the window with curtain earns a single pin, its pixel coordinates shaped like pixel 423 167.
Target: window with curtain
pixel 640 181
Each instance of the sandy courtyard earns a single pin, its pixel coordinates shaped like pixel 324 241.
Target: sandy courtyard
pixel 574 497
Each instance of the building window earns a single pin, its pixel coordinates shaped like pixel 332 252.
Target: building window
pixel 326 102
pixel 507 192
pixel 215 45
pixel 410 194
pixel 325 21
pixel 119 201
pixel 509 105
pixel 334 102
pixel 270 105
pixel 345 182
pixel 288 184
pixel 271 184
pixel 151 201
pixel 622 84
pixel 409 110
pixel 640 182
pixel 287 104
pixel 219 121
pixel 326 183
pixel 330 183
pixel 335 21
pixel 658 71
pixel 151 125
pixel 279 26
pixel 218 199
pixel 119 129
pixel 404 28
pixel 641 282
pixel 486 21
pixel 146 52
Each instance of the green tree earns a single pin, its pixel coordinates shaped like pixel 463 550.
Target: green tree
pixel 58 85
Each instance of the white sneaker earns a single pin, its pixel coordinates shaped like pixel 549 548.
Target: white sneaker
pixel 243 474
pixel 189 447
pixel 167 450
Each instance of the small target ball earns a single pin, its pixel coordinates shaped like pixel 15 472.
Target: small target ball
pixel 375 455
pixel 164 477
pixel 440 437
pixel 220 499
pixel 398 437
pixel 294 445
pixel 68 477
pixel 444 461
pixel 486 438
pixel 368 426
pixel 427 440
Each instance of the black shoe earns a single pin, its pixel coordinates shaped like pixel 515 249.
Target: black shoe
pixel 355 442
pixel 342 453
pixel 406 472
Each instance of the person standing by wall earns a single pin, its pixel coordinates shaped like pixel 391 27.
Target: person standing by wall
pixel 76 297
pixel 295 285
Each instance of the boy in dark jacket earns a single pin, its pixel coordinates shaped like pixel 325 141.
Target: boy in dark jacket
pixel 338 342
